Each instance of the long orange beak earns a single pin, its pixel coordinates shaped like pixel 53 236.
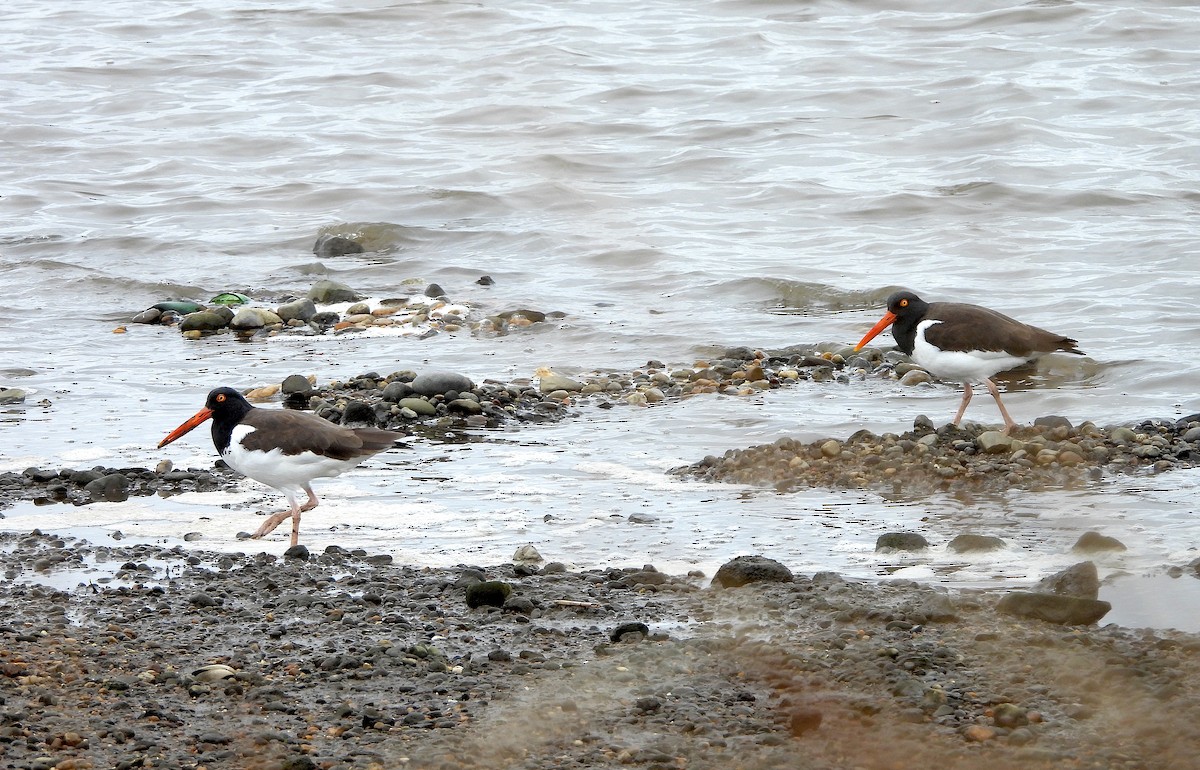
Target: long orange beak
pixel 888 319
pixel 187 427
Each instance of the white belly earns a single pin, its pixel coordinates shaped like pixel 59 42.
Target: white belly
pixel 288 473
pixel 973 366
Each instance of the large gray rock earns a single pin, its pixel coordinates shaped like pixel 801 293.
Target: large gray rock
pixel 743 570
pixel 1080 580
pixel 437 383
pixel 1053 608
pixel 297 310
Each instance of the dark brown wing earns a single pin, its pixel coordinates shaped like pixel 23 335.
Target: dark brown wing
pixel 296 432
pixel 970 327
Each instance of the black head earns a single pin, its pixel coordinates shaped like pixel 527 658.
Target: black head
pixel 904 304
pixel 227 404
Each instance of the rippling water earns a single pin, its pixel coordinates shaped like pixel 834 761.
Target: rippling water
pixel 673 176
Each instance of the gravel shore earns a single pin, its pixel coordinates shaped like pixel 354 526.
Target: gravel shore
pixel 140 656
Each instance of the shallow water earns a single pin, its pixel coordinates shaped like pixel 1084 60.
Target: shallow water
pixel 674 178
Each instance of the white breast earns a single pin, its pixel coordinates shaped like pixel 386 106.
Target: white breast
pixel 287 473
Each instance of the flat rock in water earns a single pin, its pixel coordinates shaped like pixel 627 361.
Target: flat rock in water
pixel 744 570
pixel 1053 608
pixel 968 543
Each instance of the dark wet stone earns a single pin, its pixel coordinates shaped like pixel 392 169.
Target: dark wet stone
pixel 1094 542
pixel 1080 580
pixel 39 475
pixel 358 411
pixel 396 391
pixel 618 634
pixel 204 321
pixel 743 570
pixel 336 246
pixel 326 292
pixel 148 316
pixel 485 280
pixel 298 552
pixel 1053 608
pixel 113 488
pixel 438 383
pixel 519 604
pixel 296 384
pixel 532 315
pixel 490 593
pixel 901 541
pixel 968 543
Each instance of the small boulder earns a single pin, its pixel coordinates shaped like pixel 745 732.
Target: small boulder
pixel 298 310
pixel 439 383
pixel 969 543
pixel 744 570
pixel 548 383
pixel 204 321
pixel 1080 580
pixel 1094 542
pixel 336 246
pixel 901 541
pixel 1053 608
pixel 490 593
pixel 113 488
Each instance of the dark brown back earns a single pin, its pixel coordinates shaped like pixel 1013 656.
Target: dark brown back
pixel 970 327
pixel 296 432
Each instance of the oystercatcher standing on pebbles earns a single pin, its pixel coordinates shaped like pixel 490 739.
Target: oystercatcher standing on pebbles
pixel 283 449
pixel 962 342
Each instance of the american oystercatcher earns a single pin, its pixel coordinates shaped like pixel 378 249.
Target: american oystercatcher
pixel 283 449
pixel 963 342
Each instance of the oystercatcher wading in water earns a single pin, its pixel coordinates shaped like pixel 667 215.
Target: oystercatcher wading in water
pixel 968 343
pixel 283 449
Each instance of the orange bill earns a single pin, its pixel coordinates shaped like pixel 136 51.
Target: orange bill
pixel 187 427
pixel 888 319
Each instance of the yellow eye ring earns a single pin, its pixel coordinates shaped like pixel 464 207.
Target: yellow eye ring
pixel 220 397
pixel 903 303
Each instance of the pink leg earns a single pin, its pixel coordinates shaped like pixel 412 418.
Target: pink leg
pixel 275 519
pixel 1008 421
pixel 966 400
